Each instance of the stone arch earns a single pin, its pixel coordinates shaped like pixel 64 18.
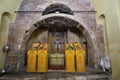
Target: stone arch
pixel 57 16
pixel 57 7
pixel 5 21
pixel 102 21
pixel 76 24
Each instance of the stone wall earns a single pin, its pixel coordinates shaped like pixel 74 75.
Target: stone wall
pixel 29 18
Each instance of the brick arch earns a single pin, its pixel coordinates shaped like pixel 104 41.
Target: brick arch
pixel 57 7
pixel 75 23
pixel 71 19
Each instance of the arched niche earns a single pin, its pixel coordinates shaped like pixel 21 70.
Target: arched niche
pixel 5 21
pixel 102 21
pixel 73 24
pixel 57 7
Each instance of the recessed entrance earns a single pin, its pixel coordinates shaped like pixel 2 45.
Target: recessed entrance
pixel 57 32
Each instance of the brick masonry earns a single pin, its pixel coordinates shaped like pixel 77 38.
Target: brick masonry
pixel 30 13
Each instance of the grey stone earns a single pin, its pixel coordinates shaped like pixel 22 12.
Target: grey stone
pixel 31 13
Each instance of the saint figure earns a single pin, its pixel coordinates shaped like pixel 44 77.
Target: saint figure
pixel 57 43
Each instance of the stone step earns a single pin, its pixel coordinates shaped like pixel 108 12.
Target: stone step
pixel 56 76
